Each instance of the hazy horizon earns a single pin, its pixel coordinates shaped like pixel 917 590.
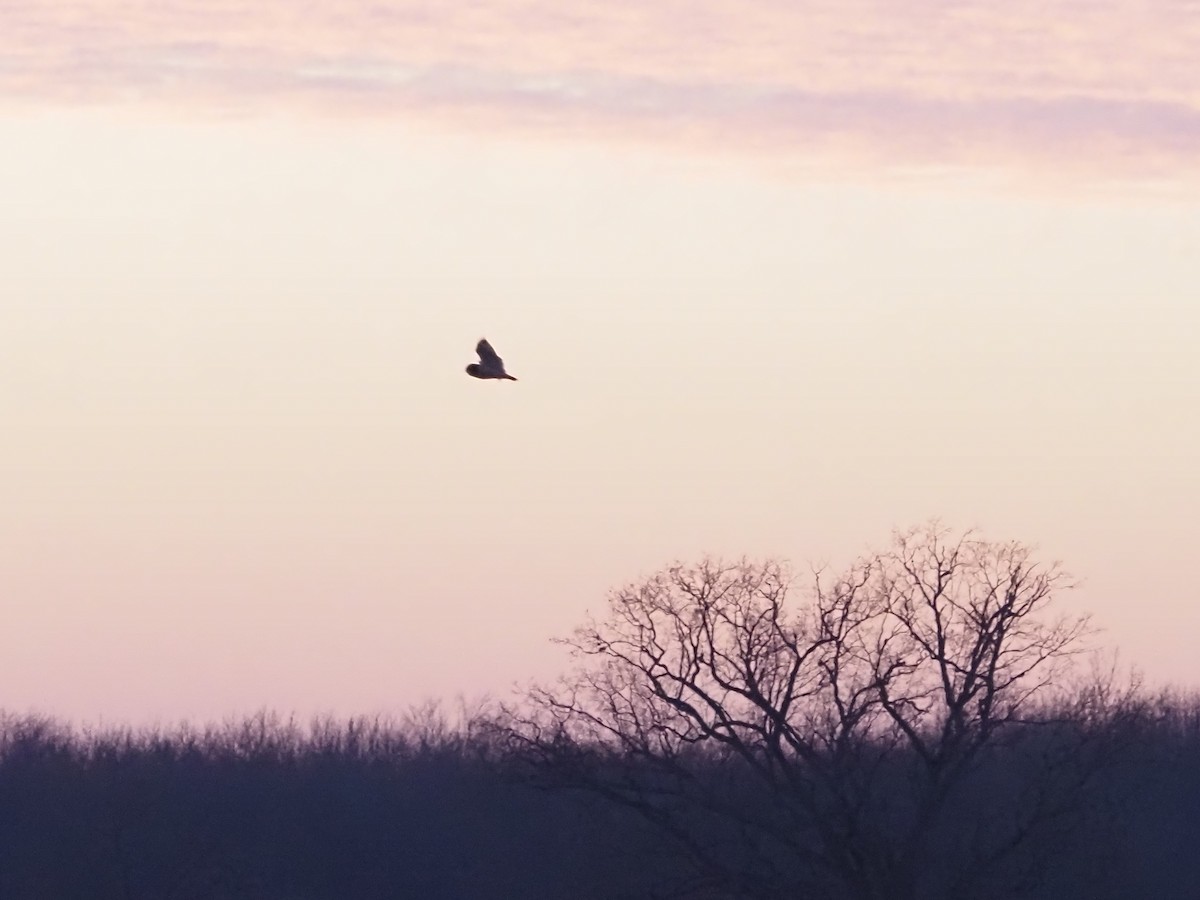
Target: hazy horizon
pixel 773 284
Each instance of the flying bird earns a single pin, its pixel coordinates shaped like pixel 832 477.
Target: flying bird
pixel 490 365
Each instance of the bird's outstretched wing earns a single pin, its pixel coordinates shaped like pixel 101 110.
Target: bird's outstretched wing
pixel 488 356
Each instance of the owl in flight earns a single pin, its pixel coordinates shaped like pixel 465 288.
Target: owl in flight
pixel 489 365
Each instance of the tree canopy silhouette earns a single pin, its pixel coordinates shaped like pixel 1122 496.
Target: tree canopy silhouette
pixel 842 743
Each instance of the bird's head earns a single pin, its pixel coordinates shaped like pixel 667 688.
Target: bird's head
pixel 473 369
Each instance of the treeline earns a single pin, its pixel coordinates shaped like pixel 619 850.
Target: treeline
pixel 267 808
pixel 433 807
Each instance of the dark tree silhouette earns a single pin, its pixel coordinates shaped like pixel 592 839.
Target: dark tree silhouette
pixel 912 729
pixel 889 736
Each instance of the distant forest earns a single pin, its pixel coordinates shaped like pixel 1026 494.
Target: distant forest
pixel 366 809
pixel 266 809
pixel 920 727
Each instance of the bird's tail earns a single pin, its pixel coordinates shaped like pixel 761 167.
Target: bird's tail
pixel 509 377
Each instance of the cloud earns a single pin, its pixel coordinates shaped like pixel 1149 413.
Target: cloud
pixel 1102 87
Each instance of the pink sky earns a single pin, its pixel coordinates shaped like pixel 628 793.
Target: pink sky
pixel 1075 86
pixel 249 248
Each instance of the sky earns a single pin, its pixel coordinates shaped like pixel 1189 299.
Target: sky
pixel 775 279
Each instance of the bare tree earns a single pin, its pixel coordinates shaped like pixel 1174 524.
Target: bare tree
pixel 846 745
